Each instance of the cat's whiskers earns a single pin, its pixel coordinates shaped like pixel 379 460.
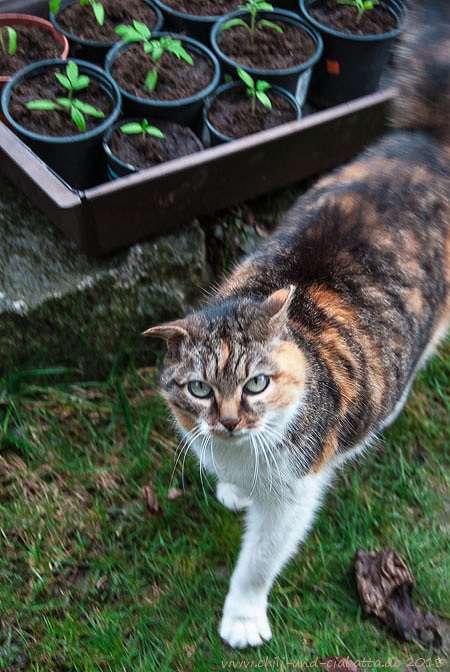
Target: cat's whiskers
pixel 202 467
pixel 266 459
pixel 213 460
pixel 273 457
pixel 182 450
pixel 256 467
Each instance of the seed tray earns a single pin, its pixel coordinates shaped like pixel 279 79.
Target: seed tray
pixel 117 214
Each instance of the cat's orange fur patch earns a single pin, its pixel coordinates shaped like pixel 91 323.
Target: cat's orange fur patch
pixel 185 419
pixel 414 298
pixel 291 365
pixel 229 407
pixel 333 348
pixel 332 304
pixel 329 449
pixel 224 354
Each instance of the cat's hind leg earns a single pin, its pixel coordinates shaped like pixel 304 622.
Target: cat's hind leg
pixel 233 497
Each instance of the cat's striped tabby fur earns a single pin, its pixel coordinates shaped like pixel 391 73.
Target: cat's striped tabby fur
pixel 309 348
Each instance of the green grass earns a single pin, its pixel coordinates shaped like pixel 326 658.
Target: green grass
pixel 92 580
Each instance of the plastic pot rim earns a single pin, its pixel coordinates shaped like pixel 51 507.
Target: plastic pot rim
pixel 238 84
pixel 291 17
pixel 203 18
pixel 130 166
pixel 95 43
pixel 84 66
pixel 156 102
pixel 389 4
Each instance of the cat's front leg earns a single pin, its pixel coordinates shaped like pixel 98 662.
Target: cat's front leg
pixel 275 525
pixel 233 497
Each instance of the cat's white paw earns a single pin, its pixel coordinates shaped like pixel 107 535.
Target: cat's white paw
pixel 240 632
pixel 232 497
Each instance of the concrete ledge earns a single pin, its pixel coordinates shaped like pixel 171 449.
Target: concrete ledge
pixel 57 306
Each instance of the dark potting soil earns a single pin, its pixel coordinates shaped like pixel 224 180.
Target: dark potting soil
pixel 54 123
pixel 81 22
pixel 231 113
pixel 203 7
pixel 144 150
pixel 343 18
pixel 33 44
pixel 176 78
pixel 269 50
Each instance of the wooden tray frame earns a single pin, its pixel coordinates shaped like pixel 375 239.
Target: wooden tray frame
pixel 157 200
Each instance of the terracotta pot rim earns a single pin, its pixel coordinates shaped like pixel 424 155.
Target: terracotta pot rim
pixel 30 19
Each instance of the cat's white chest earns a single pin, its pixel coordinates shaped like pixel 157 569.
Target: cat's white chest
pixel 243 463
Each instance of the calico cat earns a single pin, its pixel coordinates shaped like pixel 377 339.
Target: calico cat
pixel 308 350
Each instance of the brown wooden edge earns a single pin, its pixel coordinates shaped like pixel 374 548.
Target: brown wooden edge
pixel 173 193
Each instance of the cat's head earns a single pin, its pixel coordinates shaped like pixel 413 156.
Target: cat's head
pixel 233 368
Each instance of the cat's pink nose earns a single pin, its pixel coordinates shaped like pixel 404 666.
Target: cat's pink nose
pixel 229 423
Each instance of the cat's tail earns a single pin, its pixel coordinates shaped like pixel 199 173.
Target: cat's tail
pixel 423 70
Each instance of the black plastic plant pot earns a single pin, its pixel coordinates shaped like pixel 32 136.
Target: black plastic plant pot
pixel 77 159
pixel 117 168
pixel 289 5
pixel 351 65
pixel 92 50
pixel 198 27
pixel 216 137
pixel 294 79
pixel 184 111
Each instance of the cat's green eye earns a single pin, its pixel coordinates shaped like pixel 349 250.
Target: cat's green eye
pixel 200 389
pixel 257 384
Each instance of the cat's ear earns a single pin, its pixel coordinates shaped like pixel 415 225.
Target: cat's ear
pixel 172 332
pixel 277 303
pixel 169 331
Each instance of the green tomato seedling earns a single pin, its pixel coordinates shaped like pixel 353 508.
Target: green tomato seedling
pixel 139 32
pixel 97 8
pixel 253 7
pixel 72 81
pixel 255 89
pixel 144 128
pixel 361 6
pixel 8 40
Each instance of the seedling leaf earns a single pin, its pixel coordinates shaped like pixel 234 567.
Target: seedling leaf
pixel 135 128
pixel 269 24
pixel 142 29
pixel 54 5
pixel 82 82
pixel 232 23
pixel 64 102
pixel 132 128
pixel 264 99
pixel 42 105
pixel 11 46
pixel 12 40
pixel 246 78
pixel 99 12
pixel 72 71
pixel 78 118
pixel 151 79
pixel 262 85
pixel 88 109
pixel 63 80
